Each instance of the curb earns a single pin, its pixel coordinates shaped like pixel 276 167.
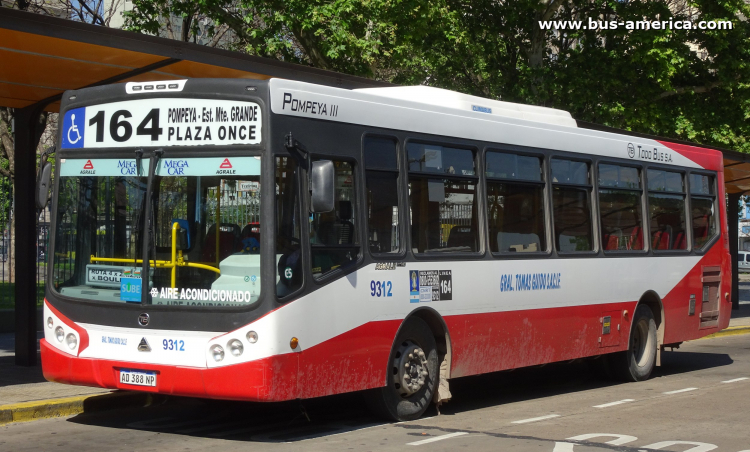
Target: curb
pixel 68 406
pixel 731 331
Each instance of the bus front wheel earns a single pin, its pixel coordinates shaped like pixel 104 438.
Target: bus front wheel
pixel 412 375
pixel 637 362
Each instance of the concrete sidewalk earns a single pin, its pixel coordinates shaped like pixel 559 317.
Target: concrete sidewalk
pixel 26 384
pixel 26 396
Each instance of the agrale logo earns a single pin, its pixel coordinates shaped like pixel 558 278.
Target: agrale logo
pixel 226 168
pixel 88 168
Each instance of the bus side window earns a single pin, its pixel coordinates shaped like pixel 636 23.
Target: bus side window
pixel 620 207
pixel 571 205
pixel 442 199
pixel 515 199
pixel 666 205
pixel 702 199
pixel 288 248
pixel 333 235
pixel 382 195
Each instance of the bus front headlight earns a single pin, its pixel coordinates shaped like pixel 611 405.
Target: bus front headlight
pixel 59 334
pixel 72 341
pixel 217 352
pixel 235 347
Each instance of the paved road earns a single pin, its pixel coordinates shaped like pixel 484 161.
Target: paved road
pixel 699 396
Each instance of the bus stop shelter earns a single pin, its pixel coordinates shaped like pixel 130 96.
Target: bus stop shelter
pixel 41 57
pixel 44 56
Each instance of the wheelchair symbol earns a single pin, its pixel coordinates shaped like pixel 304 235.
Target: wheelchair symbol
pixel 73 128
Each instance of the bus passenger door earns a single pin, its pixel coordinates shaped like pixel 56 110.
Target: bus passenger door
pixel 610 324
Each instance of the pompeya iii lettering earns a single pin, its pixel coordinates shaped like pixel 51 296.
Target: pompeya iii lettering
pixel 309 106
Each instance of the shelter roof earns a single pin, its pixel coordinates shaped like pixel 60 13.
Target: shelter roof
pixel 43 56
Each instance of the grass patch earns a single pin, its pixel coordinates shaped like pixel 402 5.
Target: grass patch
pixel 8 295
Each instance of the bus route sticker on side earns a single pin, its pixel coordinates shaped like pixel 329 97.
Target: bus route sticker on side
pixel 162 122
pixel 430 285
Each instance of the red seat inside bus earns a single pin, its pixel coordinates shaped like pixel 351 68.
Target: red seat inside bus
pixel 636 239
pixel 679 242
pixel 661 240
pixel 611 242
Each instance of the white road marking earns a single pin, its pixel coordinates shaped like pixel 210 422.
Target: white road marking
pixel 699 447
pixel 619 402
pixel 618 440
pixel 534 419
pixel 735 380
pixel 680 390
pixel 437 438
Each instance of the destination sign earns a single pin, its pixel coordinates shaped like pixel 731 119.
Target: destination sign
pixel 162 122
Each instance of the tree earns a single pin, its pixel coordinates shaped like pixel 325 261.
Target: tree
pixel 92 11
pixel 7 171
pixel 685 84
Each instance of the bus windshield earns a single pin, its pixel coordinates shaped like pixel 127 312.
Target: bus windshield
pixel 205 230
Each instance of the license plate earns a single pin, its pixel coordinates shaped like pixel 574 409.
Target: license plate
pixel 137 377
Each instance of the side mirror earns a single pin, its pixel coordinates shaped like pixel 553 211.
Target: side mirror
pixel 322 186
pixel 42 184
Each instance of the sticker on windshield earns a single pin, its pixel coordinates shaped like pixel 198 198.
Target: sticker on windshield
pixel 103 167
pixel 162 122
pixel 210 166
pixel 201 297
pixel 229 166
pixel 130 289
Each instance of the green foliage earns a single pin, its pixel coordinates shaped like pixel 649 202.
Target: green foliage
pixel 7 295
pixel 685 84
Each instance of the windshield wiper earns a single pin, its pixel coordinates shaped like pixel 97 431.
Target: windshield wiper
pixel 148 223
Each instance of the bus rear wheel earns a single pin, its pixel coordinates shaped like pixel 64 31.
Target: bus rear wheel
pixel 412 375
pixel 637 362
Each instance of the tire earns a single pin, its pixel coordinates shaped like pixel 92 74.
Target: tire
pixel 397 402
pixel 637 362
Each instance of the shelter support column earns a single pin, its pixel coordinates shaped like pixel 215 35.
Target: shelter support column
pixel 25 214
pixel 733 213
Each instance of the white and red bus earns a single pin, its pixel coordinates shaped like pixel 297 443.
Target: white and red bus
pixel 275 240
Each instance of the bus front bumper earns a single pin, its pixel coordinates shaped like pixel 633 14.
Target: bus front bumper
pixel 252 381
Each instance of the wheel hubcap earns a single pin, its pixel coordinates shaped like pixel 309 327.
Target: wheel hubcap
pixel 410 369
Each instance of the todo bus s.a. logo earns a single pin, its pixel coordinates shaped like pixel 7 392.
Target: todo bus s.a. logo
pixel 654 155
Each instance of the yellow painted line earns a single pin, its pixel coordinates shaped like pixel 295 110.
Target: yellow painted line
pixel 731 331
pixel 69 406
pixel 41 409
